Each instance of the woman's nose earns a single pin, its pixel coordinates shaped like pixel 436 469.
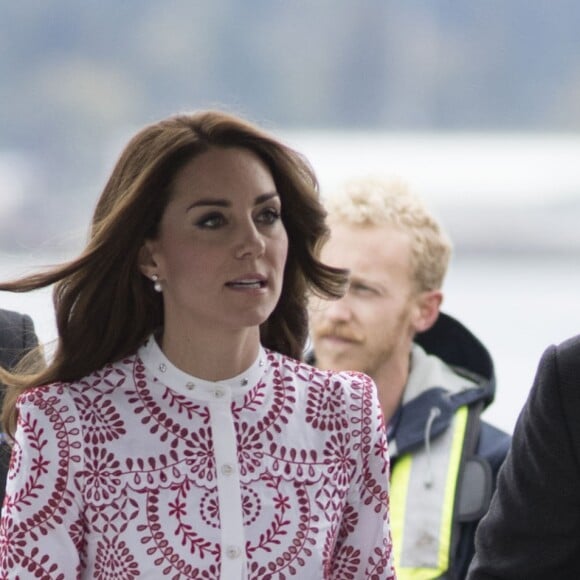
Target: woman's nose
pixel 251 242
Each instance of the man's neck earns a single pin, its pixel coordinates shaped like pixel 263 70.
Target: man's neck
pixel 391 380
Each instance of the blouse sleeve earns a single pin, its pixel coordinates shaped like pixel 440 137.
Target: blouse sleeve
pixel 41 527
pixel 365 534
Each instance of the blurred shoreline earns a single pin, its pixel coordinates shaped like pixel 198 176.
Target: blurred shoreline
pixel 496 193
pixel 516 306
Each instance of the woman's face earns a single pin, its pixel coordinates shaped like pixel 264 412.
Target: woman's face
pixel 221 248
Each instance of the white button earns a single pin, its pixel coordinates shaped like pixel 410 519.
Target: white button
pixel 227 469
pixel 190 385
pixel 219 393
pixel 233 552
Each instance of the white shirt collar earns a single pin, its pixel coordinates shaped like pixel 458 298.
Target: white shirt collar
pixel 167 373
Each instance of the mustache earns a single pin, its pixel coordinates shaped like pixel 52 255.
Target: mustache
pixel 338 331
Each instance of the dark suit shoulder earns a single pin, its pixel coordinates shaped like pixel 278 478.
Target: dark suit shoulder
pixel 568 356
pixel 536 507
pixel 572 343
pixel 493 446
pixel 565 384
pixel 17 336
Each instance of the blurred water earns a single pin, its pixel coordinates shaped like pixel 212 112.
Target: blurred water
pixel 516 307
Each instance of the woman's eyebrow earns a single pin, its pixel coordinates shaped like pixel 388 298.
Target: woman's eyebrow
pixel 206 202
pixel 265 197
pixel 227 203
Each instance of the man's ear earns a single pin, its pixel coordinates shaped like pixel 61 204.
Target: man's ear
pixel 146 259
pixel 428 305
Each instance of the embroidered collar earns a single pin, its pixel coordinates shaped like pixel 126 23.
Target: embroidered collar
pixel 167 373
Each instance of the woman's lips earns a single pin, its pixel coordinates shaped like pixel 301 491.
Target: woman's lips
pixel 252 282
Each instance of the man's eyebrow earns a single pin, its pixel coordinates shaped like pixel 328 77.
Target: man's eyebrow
pixel 359 281
pixel 227 203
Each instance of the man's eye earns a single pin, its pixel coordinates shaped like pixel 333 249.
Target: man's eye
pixel 210 221
pixel 362 290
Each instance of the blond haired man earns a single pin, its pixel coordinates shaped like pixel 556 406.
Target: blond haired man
pixel 434 377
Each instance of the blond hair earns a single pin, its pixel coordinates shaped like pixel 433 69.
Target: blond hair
pixel 378 202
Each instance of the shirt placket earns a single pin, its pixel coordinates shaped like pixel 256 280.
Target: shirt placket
pixel 233 560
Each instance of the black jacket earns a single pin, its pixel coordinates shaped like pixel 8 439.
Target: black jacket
pixel 17 337
pixel 532 529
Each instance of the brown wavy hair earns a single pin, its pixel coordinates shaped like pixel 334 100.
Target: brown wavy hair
pixel 105 308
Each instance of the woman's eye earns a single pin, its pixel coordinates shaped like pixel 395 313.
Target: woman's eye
pixel 269 216
pixel 210 221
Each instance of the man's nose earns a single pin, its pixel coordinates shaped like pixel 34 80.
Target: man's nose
pixel 337 310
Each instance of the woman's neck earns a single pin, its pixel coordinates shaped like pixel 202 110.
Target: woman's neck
pixel 209 357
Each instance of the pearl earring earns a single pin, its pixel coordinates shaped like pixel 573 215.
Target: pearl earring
pixel 156 284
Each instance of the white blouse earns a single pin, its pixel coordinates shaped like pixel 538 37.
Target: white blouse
pixel 142 471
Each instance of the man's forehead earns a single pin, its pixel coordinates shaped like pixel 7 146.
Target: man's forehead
pixel 369 252
pixel 361 237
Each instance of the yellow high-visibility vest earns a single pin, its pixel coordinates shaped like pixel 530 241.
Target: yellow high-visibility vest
pixel 424 498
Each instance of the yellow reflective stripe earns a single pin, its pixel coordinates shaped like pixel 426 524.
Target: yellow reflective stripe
pixel 398 505
pixel 417 573
pixel 459 428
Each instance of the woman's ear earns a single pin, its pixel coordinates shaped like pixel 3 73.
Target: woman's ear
pixel 146 259
pixel 428 303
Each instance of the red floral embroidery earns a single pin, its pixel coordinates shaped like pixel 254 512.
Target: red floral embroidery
pixel 326 404
pixel 114 560
pixel 115 476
